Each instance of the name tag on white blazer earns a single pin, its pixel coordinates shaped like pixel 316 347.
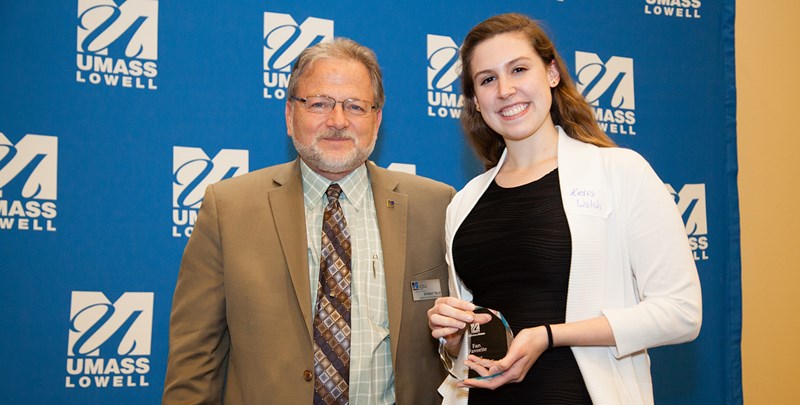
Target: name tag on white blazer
pixel 587 201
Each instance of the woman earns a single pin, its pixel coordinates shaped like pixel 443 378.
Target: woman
pixel 576 242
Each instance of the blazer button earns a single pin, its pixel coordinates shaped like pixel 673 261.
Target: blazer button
pixel 308 376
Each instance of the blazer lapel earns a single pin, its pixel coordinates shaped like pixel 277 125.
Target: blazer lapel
pixel 392 211
pixel 587 205
pixel 288 212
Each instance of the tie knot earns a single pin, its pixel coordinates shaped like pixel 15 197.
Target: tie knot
pixel 333 192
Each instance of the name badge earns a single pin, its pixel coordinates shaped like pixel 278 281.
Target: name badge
pixel 426 289
pixel 586 198
pixel 587 201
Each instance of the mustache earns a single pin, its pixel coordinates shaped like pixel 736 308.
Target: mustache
pixel 337 134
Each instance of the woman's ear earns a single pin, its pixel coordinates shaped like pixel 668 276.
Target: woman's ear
pixel 552 73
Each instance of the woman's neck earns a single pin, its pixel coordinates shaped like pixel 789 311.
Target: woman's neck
pixel 529 159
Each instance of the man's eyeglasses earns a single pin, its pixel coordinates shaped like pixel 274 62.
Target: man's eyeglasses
pixel 324 105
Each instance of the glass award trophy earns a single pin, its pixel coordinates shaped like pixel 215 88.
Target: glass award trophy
pixel 489 340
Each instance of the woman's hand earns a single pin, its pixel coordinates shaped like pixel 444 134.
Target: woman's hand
pixel 525 349
pixel 449 317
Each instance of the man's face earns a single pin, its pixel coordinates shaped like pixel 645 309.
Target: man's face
pixel 333 144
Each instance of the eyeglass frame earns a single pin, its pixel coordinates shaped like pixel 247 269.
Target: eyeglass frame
pixel 304 100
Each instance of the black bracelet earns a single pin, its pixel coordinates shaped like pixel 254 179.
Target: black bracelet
pixel 549 337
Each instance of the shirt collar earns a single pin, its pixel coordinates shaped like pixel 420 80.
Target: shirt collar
pixel 354 186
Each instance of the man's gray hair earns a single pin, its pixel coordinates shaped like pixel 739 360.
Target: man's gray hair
pixel 339 48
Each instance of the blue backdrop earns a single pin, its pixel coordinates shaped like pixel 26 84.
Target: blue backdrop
pixel 116 114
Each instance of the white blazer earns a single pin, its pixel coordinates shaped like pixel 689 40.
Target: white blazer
pixel 630 261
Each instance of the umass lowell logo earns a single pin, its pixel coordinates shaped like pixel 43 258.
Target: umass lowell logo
pixel 443 70
pixel 118 43
pixel 608 87
pixel 192 172
pixel 28 183
pixel 691 201
pixel 284 39
pixel 673 8
pixel 109 344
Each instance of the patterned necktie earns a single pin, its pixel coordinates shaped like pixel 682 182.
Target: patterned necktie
pixel 332 319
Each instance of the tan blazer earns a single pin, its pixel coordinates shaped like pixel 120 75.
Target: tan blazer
pixel 241 323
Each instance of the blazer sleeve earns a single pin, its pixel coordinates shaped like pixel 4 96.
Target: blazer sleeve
pixel 669 308
pixel 448 389
pixel 198 333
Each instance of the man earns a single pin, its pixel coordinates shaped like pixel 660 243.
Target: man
pixel 252 321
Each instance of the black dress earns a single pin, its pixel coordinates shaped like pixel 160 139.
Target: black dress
pixel 513 252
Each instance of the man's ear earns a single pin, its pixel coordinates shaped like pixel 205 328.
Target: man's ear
pixel 289 118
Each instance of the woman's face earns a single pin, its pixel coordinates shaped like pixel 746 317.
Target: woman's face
pixel 512 86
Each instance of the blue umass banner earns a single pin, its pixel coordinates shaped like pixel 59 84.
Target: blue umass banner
pixel 117 113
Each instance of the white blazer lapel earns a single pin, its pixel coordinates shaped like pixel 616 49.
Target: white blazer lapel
pixel 587 204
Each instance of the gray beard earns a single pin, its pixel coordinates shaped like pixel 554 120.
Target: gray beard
pixel 319 161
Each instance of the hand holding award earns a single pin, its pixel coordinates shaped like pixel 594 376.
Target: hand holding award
pixel 489 340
